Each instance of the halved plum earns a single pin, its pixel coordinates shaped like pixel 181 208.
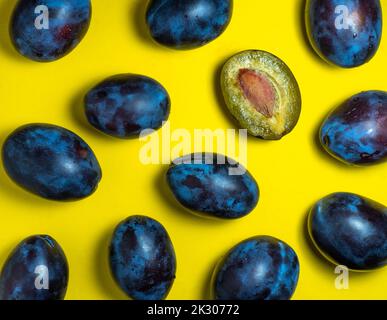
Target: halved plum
pixel 262 93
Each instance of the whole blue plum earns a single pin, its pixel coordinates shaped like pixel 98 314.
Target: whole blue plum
pixel 213 185
pixel 350 230
pixel 51 162
pixel 260 268
pixel 37 269
pixel 187 24
pixel 142 258
pixel 356 132
pixel 124 105
pixel 346 33
pixel 47 30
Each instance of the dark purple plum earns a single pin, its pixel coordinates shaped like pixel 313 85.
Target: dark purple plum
pixel 213 185
pixel 187 24
pixel 37 269
pixel 51 162
pixel 142 258
pixel 125 105
pixel 48 30
pixel 260 268
pixel 356 132
pixel 350 230
pixel 346 33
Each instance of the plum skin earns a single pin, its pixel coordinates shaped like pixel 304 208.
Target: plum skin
pixel 51 162
pixel 347 48
pixel 208 189
pixel 17 279
pixel 350 230
pixel 124 105
pixel 69 21
pixel 187 24
pixel 356 132
pixel 259 268
pixel 142 258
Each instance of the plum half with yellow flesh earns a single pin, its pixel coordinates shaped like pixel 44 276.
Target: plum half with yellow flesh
pixel 262 93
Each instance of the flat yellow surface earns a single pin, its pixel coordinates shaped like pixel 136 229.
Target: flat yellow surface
pixel 292 173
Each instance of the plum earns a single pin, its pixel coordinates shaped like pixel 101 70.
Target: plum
pixel 356 132
pixel 259 268
pixel 350 230
pixel 37 269
pixel 213 185
pixel 346 33
pixel 261 93
pixel 142 258
pixel 51 161
pixel 48 30
pixel 125 105
pixel 187 24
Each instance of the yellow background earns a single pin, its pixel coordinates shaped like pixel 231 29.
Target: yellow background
pixel 292 173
